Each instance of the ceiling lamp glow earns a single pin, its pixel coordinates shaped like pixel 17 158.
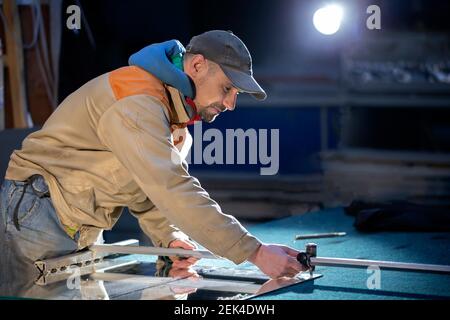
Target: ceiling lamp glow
pixel 327 20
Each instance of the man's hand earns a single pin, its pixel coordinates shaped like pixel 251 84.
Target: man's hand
pixel 276 260
pixel 180 263
pixel 183 273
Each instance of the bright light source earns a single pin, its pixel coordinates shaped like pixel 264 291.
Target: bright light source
pixel 327 20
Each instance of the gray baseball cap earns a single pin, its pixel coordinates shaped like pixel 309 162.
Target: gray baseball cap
pixel 233 57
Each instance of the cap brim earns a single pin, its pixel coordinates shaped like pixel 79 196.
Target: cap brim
pixel 245 83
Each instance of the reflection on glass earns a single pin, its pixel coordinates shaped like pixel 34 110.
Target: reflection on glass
pixel 150 280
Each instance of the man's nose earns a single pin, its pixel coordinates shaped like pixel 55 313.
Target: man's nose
pixel 230 102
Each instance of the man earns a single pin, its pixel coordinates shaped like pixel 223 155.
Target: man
pixel 120 141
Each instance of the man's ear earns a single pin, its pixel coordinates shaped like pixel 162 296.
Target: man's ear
pixel 198 66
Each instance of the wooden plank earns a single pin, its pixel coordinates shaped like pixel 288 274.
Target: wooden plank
pixel 39 103
pixel 15 63
pixel 387 156
pixel 2 88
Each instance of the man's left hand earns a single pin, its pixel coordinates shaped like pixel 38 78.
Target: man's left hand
pixel 183 263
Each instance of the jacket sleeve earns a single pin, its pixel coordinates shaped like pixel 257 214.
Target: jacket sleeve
pixel 156 226
pixel 136 130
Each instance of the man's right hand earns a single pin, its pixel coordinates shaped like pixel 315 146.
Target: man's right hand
pixel 277 260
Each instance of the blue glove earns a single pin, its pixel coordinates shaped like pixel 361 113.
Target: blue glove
pixel 156 59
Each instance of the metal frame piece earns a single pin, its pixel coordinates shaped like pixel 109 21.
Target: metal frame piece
pixel 309 259
pixel 154 251
pixel 84 262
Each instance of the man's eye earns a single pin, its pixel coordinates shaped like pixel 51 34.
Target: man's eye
pixel 226 89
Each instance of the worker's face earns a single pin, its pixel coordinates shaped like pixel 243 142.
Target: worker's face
pixel 215 92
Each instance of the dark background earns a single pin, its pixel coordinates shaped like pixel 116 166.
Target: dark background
pixel 272 30
pixel 333 133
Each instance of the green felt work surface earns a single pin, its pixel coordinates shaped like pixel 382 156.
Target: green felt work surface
pixel 349 283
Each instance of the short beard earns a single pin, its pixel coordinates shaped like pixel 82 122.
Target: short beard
pixel 210 117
